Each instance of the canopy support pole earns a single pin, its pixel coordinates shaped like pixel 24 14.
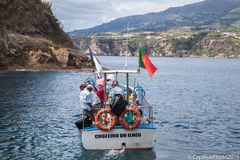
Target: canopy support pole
pixel 105 89
pixel 127 86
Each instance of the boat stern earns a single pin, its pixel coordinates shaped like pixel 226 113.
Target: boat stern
pixel 118 138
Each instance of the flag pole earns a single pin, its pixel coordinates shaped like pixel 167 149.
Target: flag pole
pixel 139 68
pixel 126 60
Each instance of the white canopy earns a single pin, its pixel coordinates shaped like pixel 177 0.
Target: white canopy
pixel 121 71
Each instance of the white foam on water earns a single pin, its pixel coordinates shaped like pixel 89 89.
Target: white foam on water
pixel 113 154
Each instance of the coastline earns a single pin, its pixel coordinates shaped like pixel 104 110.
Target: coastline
pixel 89 69
pixel 47 70
pixel 190 56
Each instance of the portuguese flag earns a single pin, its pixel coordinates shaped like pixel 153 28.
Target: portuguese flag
pixel 145 62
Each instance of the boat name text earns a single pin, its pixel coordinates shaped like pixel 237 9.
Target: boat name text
pixel 118 135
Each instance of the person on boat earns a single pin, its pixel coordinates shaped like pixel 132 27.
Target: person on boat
pixel 138 106
pixel 90 82
pixel 100 91
pixel 116 89
pixel 116 99
pixel 144 119
pixel 110 79
pixel 86 100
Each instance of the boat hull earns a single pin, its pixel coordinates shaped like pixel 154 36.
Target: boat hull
pixel 140 138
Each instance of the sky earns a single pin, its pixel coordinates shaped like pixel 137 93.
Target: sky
pixel 82 14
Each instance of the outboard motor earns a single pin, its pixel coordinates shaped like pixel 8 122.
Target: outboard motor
pixel 118 104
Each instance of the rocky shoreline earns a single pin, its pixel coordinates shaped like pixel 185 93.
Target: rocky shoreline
pixel 47 70
pixel 90 69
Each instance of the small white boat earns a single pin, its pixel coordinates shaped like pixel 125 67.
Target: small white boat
pixel 141 136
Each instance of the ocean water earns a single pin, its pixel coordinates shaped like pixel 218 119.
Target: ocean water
pixel 196 110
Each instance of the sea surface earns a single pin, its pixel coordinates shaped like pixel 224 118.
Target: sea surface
pixel 196 110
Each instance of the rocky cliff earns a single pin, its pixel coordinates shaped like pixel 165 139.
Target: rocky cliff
pixel 31 38
pixel 173 43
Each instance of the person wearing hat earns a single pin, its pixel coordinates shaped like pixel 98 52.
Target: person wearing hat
pixel 109 80
pixel 111 77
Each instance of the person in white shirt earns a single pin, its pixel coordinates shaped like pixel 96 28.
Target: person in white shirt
pixel 87 100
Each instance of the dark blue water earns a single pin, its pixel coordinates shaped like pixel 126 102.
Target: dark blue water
pixel 196 102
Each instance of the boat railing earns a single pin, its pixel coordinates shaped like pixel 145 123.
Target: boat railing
pixel 147 115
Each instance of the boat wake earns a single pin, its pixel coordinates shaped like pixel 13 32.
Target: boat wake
pixel 114 154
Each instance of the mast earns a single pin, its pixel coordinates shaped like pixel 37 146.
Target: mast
pixel 126 60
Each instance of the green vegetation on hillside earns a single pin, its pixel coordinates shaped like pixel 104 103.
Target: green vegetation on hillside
pixel 31 38
pixel 32 17
pixel 178 43
pixel 210 14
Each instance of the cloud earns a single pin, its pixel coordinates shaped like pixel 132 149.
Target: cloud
pixel 80 14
